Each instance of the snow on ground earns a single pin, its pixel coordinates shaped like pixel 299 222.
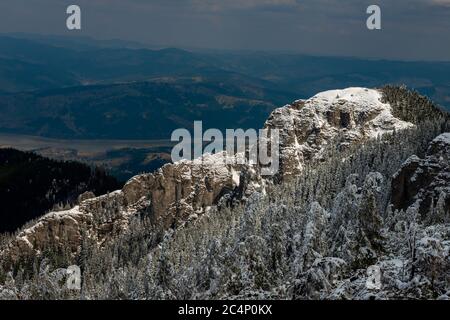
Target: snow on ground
pixel 361 96
pixel 445 138
pixel 361 100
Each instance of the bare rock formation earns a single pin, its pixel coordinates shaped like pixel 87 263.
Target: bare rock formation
pixel 425 180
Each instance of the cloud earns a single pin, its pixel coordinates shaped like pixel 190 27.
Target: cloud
pixel 411 29
pixel 221 5
pixel 441 2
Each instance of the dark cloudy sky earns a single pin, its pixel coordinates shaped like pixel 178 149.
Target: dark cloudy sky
pixel 412 29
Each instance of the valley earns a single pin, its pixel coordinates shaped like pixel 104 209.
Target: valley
pixel 122 158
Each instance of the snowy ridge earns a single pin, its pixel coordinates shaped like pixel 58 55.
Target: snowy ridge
pixel 361 100
pixel 186 188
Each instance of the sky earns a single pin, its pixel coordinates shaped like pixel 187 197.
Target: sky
pixel 411 29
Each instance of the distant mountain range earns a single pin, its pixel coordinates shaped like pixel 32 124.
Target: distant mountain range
pixel 79 88
pixel 177 86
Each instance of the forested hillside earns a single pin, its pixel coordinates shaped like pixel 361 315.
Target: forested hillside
pixel 31 185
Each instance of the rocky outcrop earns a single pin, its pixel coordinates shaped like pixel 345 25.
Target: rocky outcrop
pixel 345 117
pixel 179 190
pixel 425 180
pixel 168 197
pixel 85 196
pixel 98 218
pixel 185 188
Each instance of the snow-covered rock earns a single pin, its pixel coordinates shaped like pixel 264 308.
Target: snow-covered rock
pixel 425 180
pixel 99 218
pixel 309 126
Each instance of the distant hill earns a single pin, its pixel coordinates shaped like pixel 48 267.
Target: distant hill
pixel 30 62
pixel 31 185
pixel 141 110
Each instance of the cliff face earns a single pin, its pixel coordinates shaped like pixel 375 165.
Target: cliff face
pixel 186 188
pixel 99 218
pixel 339 116
pixel 425 180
